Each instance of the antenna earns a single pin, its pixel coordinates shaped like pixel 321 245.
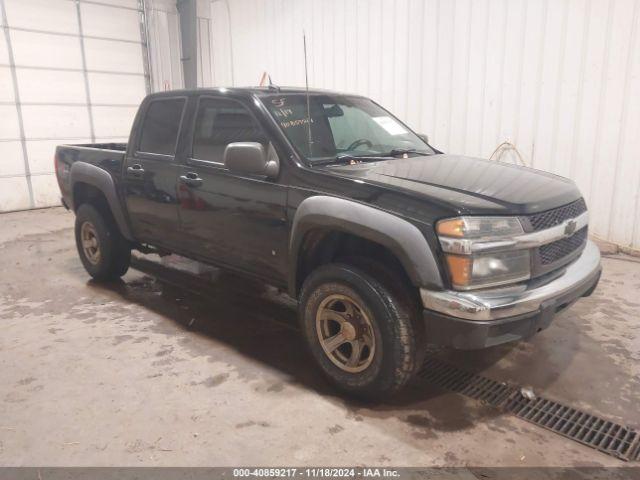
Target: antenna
pixel 306 81
pixel 273 86
pixel 266 76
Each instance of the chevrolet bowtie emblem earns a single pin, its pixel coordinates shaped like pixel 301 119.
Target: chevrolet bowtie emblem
pixel 570 227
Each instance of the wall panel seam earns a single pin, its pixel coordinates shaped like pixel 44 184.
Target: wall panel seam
pixel 434 103
pixel 580 95
pixel 69 34
pixel 451 70
pixel 420 103
pixel 503 60
pixel 85 74
pixel 483 91
pixel 144 37
pixel 71 69
pixel 16 96
pixel 465 115
pixel 110 5
pixel 20 175
pixel 601 100
pixel 69 104
pixel 43 139
pixel 518 100
pixel 536 114
pixel 560 74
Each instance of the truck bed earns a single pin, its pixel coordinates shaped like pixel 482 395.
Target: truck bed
pixel 108 156
pixel 120 147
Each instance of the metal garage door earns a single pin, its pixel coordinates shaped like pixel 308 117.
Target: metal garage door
pixel 70 72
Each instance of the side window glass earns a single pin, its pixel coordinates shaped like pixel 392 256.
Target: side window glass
pixel 220 122
pixel 160 126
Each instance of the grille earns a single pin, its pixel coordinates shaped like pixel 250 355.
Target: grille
pixel 551 218
pixel 554 251
pixel 609 437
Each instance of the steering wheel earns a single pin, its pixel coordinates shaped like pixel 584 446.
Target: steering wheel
pixel 357 143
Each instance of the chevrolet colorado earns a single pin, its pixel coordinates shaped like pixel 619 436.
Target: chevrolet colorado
pixel 386 243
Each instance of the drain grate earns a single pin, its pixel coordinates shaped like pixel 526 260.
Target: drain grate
pixel 608 437
pixel 466 383
pixel 604 435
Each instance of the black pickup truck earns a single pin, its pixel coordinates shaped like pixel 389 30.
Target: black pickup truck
pixel 386 243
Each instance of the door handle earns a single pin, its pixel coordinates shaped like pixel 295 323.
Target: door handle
pixel 192 179
pixel 135 170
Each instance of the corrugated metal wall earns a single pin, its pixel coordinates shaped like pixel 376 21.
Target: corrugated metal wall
pixel 558 79
pixel 74 72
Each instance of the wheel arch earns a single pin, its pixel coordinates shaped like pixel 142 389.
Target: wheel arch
pixel 87 179
pixel 321 221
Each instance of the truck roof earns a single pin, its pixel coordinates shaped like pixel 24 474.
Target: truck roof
pixel 247 91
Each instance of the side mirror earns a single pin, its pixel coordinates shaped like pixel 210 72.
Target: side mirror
pixel 424 137
pixel 251 158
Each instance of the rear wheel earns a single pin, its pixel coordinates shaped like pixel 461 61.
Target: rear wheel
pixel 362 335
pixel 104 252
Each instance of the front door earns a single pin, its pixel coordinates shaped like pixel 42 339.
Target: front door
pixel 151 172
pixel 231 219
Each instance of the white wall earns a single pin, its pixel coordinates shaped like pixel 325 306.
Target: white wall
pixel 165 49
pixel 74 72
pixel 559 79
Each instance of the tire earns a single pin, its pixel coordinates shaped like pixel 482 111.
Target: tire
pixel 377 368
pixel 113 251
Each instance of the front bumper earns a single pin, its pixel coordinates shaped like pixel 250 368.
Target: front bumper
pixel 471 320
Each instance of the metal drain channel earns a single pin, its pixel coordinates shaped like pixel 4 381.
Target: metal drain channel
pixel 608 437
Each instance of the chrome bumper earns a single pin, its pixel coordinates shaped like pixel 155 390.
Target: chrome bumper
pixel 509 302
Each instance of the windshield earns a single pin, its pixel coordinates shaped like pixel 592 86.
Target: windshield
pixel 342 125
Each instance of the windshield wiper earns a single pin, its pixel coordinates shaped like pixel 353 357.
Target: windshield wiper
pixel 404 151
pixel 364 158
pixel 348 158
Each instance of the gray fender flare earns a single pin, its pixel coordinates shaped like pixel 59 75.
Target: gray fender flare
pixel 103 181
pixel 402 238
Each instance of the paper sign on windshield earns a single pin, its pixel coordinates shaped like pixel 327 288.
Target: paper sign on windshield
pixel 390 125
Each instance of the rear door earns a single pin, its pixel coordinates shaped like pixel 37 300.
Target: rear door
pixel 151 173
pixel 228 218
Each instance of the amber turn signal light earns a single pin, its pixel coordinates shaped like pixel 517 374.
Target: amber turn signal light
pixel 454 227
pixel 459 269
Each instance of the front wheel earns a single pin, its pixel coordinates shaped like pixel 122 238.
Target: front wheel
pixel 360 333
pixel 103 250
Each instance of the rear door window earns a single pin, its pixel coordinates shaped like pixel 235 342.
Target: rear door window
pixel 219 122
pixel 161 125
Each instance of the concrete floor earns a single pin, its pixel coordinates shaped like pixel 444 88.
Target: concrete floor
pixel 146 373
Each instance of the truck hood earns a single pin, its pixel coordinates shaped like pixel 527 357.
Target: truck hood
pixel 468 185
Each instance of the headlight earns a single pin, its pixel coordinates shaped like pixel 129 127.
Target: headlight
pixel 476 250
pixel 479 227
pixel 478 271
